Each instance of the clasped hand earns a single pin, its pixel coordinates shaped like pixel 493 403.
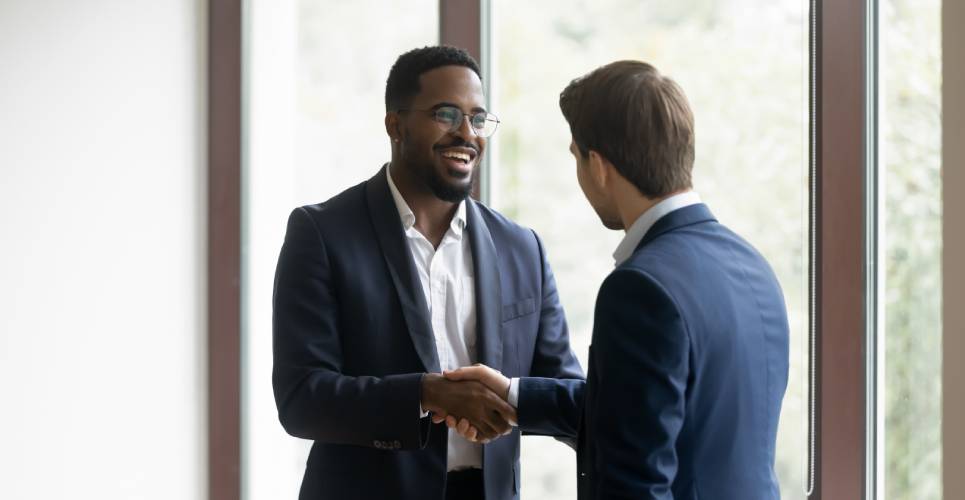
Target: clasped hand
pixel 472 400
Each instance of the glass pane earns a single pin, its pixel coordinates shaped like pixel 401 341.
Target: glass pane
pixel 315 74
pixel 910 244
pixel 743 64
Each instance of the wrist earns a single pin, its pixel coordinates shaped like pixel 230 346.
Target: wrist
pixel 430 384
pixel 504 393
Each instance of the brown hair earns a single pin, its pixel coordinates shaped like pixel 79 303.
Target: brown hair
pixel 637 119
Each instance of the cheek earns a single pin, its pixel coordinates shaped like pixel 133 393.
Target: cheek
pixel 419 144
pixel 581 178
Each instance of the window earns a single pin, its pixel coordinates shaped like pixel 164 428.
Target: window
pixel 315 75
pixel 743 66
pixel 910 246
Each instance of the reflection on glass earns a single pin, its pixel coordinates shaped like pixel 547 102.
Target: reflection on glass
pixel 910 244
pixel 315 75
pixel 743 66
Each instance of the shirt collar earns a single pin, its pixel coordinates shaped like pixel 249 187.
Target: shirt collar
pixel 646 221
pixel 458 223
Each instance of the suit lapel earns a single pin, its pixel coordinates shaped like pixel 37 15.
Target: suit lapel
pixel 488 296
pixel 398 258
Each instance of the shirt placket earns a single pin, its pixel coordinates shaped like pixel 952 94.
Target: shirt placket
pixel 437 292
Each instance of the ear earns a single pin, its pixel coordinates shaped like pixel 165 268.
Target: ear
pixel 600 169
pixel 392 126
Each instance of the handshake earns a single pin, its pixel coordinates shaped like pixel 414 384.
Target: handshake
pixel 472 400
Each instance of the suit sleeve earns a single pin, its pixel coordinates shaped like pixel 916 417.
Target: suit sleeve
pixel 314 399
pixel 551 399
pixel 641 354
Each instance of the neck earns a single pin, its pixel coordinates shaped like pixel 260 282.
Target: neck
pixel 632 204
pixel 432 215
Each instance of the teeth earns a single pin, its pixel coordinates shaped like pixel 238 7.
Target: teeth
pixel 455 155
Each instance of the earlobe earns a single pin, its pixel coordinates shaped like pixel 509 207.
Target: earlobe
pixel 392 126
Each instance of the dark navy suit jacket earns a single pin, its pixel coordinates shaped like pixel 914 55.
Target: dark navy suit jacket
pixel 687 370
pixel 352 338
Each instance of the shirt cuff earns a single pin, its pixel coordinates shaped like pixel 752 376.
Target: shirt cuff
pixel 513 396
pixel 422 413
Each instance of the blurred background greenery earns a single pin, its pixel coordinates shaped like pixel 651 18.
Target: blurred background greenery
pixel 911 246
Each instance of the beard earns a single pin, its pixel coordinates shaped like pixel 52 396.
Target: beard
pixel 438 185
pixel 446 191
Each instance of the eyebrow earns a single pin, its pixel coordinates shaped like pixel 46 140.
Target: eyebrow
pixel 477 109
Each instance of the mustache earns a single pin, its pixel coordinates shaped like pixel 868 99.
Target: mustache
pixel 459 143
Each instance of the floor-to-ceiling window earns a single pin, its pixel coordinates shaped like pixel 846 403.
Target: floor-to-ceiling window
pixel 744 67
pixel 910 245
pixel 315 80
pixel 315 74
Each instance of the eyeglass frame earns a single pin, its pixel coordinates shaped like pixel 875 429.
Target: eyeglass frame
pixel 458 123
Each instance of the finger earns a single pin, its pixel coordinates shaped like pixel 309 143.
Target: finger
pixel 466 373
pixel 506 410
pixel 485 428
pixel 504 414
pixel 462 428
pixel 436 418
pixel 451 422
pixel 468 431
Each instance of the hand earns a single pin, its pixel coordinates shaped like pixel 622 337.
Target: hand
pixel 489 377
pixel 488 413
pixel 492 379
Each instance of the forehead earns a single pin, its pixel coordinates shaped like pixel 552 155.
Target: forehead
pixel 453 84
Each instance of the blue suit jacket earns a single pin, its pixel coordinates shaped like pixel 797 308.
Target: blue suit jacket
pixel 687 370
pixel 352 338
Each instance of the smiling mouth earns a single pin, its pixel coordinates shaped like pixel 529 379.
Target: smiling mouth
pixel 463 158
pixel 459 161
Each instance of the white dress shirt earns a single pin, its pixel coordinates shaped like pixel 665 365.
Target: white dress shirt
pixel 448 282
pixel 629 243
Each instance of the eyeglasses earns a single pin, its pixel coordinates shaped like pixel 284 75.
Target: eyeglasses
pixel 483 123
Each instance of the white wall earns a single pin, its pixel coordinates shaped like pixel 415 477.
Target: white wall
pixel 102 241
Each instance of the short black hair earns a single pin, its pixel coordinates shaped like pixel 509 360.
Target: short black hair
pixel 403 82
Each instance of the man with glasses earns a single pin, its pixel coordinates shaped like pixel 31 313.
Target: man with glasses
pixel 381 288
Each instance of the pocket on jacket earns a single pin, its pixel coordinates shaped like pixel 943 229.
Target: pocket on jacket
pixel 517 309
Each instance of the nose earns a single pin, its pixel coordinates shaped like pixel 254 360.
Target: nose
pixel 465 130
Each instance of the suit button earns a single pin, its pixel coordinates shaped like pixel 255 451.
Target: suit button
pixel 377 444
pixel 396 445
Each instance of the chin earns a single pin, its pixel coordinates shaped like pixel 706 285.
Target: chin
pixel 615 225
pixel 451 191
pixel 460 177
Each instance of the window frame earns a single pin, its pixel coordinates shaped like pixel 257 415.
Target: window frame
pixel 839 145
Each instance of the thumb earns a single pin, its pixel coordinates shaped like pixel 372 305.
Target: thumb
pixel 465 373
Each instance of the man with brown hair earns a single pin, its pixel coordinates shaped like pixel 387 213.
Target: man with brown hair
pixel 689 356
